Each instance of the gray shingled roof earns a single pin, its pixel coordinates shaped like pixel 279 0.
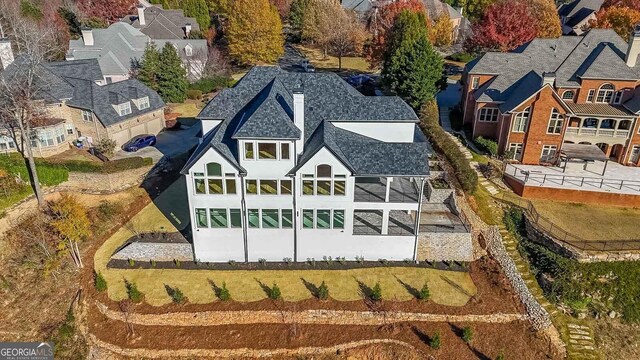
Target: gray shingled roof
pixel 578 10
pixel 600 53
pixel 260 106
pixel 100 99
pixel 162 24
pixel 82 69
pixel 48 86
pixel 121 45
pixel 269 115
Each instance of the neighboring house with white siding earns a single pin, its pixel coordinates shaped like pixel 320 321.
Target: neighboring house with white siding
pixel 301 165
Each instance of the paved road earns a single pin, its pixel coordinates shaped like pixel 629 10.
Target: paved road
pixel 291 59
pixel 451 95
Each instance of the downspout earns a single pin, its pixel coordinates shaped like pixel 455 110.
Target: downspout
pixel 243 206
pixel 632 131
pixel 417 226
pixel 295 205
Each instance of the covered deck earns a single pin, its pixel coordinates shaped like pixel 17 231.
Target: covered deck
pixel 585 153
pixel 387 189
pixel 371 222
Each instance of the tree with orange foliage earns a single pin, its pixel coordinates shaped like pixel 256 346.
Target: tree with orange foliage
pixel 381 21
pixel 620 19
pixel 632 4
pixel 442 31
pixel 546 18
pixel 504 26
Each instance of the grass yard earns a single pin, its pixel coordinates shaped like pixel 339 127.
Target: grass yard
pixel 317 59
pixel 188 108
pixel 244 284
pixel 592 222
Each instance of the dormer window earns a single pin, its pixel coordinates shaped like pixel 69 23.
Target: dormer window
pixel 143 103
pixel 605 93
pixel 125 109
pixel 188 50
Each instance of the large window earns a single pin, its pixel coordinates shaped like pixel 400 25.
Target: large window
pixel 605 93
pixel 218 218
pixel 322 219
pixel 325 182
pixel 488 114
pixel 568 95
pixel 267 151
pixel 270 219
pixel 591 95
pixel 516 150
pixel 287 218
pixel 617 97
pixel 86 115
pixel 215 182
pixel 254 218
pixel 125 109
pixel 269 187
pixel 521 120
pixel 475 82
pixel 143 103
pixel 556 121
pixel 201 218
pixel 46 137
pixel 249 153
pixel 235 218
pixel 285 151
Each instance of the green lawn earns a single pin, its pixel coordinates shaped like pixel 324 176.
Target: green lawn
pixel 317 59
pixel 244 285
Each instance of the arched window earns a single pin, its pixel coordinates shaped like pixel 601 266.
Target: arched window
pixel 590 123
pixel 608 124
pixel 605 93
pixel 568 95
pixel 521 120
pixel 323 171
pixel 556 120
pixel 624 125
pixel 214 169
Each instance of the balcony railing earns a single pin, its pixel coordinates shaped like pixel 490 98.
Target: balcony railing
pixel 620 133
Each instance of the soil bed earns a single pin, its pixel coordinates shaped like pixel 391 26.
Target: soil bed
pixel 318 265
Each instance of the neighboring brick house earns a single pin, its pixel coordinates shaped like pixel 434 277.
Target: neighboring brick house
pixel 80 109
pixel 574 89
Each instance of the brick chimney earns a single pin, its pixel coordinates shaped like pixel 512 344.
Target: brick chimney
pixel 634 47
pixel 87 36
pixel 6 53
pixel 141 15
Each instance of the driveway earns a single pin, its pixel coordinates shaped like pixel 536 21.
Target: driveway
pixel 451 95
pixel 291 59
pixel 169 143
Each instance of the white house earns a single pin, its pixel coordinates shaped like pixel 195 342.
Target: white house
pixel 301 165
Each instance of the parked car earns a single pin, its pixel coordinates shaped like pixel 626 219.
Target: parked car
pixel 138 142
pixel 360 80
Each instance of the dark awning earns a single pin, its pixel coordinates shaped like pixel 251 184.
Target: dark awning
pixel 583 152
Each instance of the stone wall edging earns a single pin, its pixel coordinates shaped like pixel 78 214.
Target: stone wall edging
pixel 538 316
pixel 316 317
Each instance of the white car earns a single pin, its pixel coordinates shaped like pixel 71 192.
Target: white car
pixel 306 66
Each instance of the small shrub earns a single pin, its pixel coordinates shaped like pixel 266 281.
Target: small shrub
pixel 376 292
pixel 323 291
pixel 106 146
pixel 359 259
pixel 500 356
pixel 132 262
pixel 274 292
pixel 424 294
pixel 487 145
pixel 176 295
pixel 232 262
pixel 223 293
pixel 100 282
pixel 467 334
pixel 462 57
pixel 384 262
pixel 153 264
pixel 194 94
pixel 134 294
pixel 287 260
pixel 211 84
pixel 434 342
pixel 177 263
pixel 327 260
pixel 108 209
pixel 341 260
pixel 262 261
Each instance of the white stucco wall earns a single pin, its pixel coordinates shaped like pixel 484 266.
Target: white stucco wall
pixel 383 131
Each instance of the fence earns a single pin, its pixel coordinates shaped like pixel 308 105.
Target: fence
pixel 579 181
pixel 548 228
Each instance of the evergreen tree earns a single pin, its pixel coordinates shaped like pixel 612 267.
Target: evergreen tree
pixel 198 9
pixel 296 18
pixel 150 67
pixel 255 32
pixel 172 77
pixel 412 67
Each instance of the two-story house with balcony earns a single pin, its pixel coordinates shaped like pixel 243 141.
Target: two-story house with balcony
pixel 301 165
pixel 548 92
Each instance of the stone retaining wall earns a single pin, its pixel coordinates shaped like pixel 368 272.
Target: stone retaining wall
pixel 437 196
pixel 96 182
pixel 537 314
pixel 445 247
pixel 314 317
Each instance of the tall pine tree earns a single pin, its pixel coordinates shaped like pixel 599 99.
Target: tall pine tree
pixel 412 68
pixel 172 77
pixel 198 9
pixel 150 67
pixel 255 32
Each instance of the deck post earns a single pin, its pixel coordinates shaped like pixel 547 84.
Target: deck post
pixel 388 189
pixel 606 162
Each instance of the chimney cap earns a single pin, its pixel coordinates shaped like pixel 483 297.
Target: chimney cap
pixel 549 74
pixel 85 28
pixel 140 6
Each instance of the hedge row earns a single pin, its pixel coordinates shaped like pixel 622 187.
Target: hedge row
pixel 442 142
pixel 48 174
pixel 487 145
pixel 211 84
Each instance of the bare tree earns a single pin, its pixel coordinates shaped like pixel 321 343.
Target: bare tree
pixel 217 64
pixel 344 35
pixel 23 86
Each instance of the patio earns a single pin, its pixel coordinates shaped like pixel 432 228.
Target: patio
pixel 369 222
pixel 580 175
pixel 439 218
pixel 401 190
